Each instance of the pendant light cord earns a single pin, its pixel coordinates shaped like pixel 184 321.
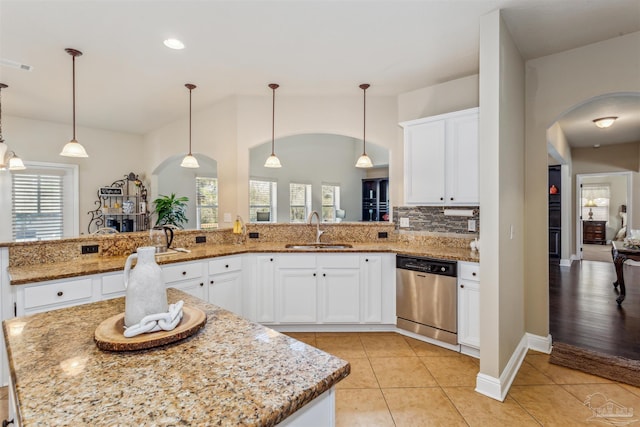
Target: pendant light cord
pixel 190 121
pixel 364 122
pixel 273 119
pixel 2 86
pixel 73 79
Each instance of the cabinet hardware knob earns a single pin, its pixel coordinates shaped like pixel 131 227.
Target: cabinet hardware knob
pixel 324 274
pixel 314 274
pixel 226 266
pixel 441 198
pixel 184 273
pixel 60 293
pixel 473 274
pixel 451 198
pixel 202 284
pixel 211 281
pixel 366 260
pixel 271 259
pixel 462 286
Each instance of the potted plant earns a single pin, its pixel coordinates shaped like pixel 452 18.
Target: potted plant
pixel 171 210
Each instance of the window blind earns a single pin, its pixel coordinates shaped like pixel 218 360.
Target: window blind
pixel 37 212
pixel 299 201
pixel 262 196
pixel 207 202
pixel 595 200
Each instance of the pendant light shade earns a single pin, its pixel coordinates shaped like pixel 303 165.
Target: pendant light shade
pixel 189 160
pixel 73 148
pixel 364 161
pixel 273 161
pixel 11 160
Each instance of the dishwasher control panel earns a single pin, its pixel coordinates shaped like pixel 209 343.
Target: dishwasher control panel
pixel 427 265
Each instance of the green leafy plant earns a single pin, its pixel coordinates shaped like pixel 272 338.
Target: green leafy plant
pixel 171 210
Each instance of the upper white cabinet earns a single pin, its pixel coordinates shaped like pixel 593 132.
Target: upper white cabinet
pixel 441 159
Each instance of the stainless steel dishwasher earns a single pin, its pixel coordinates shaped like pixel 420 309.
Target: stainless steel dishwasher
pixel 426 297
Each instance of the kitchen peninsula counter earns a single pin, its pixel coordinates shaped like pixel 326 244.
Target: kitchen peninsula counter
pixel 96 264
pixel 232 372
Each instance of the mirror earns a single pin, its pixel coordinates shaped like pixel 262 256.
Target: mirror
pixel 172 178
pixel 321 168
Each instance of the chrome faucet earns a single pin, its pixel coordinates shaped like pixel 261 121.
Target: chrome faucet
pixel 318 231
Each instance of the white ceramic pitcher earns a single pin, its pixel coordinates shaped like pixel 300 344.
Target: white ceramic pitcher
pixel 146 292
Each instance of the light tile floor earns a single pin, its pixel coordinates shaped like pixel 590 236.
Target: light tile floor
pixel 399 381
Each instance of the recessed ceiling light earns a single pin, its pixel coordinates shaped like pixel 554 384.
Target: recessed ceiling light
pixel 596 145
pixel 604 122
pixel 174 44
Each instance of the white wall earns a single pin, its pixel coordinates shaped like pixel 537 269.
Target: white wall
pixel 112 155
pixel 501 196
pixel 554 85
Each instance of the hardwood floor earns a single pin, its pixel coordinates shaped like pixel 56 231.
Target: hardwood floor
pixel 583 309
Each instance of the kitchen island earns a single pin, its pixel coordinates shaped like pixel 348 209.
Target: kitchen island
pixel 232 372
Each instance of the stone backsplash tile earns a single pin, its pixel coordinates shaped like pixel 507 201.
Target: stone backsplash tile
pixel 432 219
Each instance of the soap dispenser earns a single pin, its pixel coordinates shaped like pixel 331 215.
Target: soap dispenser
pixel 239 230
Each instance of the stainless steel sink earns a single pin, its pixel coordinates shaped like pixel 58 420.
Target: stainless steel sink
pixel 316 246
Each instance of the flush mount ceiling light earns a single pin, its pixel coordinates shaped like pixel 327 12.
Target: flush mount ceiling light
pixel 174 44
pixel 273 161
pixel 605 122
pixel 364 161
pixel 189 161
pixel 73 148
pixel 14 162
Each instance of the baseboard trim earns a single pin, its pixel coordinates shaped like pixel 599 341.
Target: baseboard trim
pixel 497 388
pixel 539 343
pixel 566 262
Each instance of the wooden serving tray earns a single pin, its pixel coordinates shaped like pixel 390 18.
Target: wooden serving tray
pixel 109 334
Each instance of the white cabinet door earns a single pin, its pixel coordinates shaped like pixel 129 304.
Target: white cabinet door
pixel 424 162
pixel 265 289
pixel 192 287
pixel 371 285
pixel 296 295
pixel 340 295
pixel 469 304
pixel 225 290
pixel 462 160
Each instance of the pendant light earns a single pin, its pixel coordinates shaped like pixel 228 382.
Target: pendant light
pixel 189 161
pixel 364 161
pixel 272 160
pixel 73 148
pixel 15 162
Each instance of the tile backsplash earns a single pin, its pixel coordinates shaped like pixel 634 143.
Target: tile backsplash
pixel 433 219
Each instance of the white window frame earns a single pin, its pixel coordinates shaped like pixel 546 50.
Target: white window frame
pixel 273 207
pixel 306 205
pixel 71 188
pixel 336 200
pixel 199 206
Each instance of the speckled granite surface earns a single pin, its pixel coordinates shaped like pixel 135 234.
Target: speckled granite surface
pixel 233 372
pixel 96 265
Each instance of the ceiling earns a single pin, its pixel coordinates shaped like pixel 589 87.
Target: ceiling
pixel 128 81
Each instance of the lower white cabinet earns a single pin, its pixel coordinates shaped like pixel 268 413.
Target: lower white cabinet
pixel 260 304
pixel 225 283
pixel 186 276
pixel 469 306
pixel 340 289
pixel 53 294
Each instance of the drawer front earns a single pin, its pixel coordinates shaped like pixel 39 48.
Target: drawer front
pixel 224 265
pixel 469 271
pixel 113 284
pixel 297 261
pixel 57 293
pixel 182 272
pixel 339 261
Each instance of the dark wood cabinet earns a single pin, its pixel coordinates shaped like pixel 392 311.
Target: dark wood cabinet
pixel 375 199
pixel 555 211
pixel 594 232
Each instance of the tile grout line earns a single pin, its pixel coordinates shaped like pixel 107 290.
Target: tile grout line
pixel 377 381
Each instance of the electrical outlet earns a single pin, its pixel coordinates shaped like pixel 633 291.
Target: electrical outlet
pixel 201 239
pixel 89 249
pixel 254 235
pixel 471 225
pixel 383 235
pixel 404 222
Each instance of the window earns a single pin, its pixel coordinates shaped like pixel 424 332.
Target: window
pixel 299 202
pixel 262 200
pixel 207 202
pixel 595 202
pixel 44 202
pixel 330 202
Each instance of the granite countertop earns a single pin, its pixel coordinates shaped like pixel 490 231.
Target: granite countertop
pixel 232 372
pixel 95 264
pixel 98 264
